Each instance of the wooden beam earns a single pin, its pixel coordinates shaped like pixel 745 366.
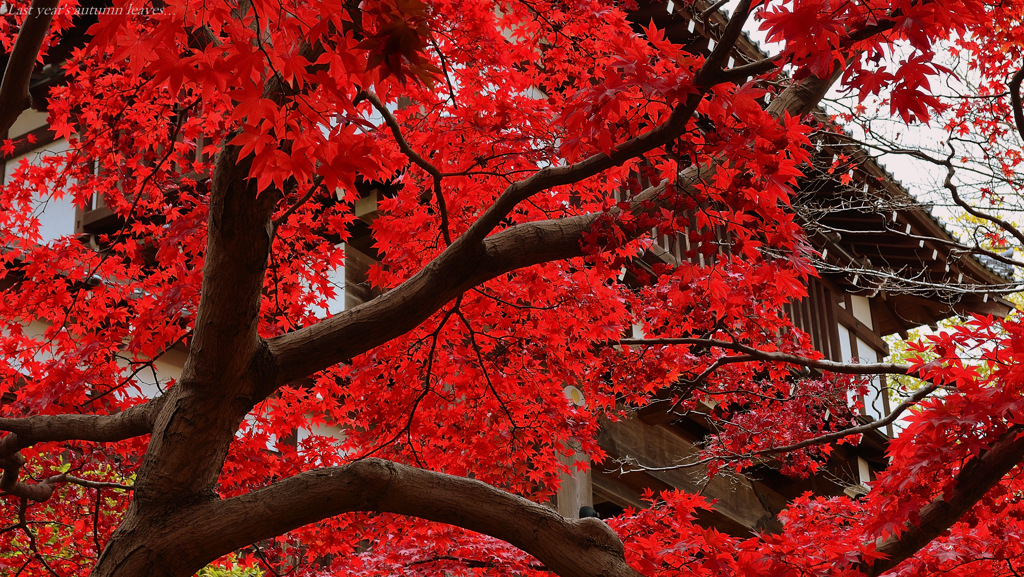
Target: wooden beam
pixel 861 330
pixel 736 496
pixel 891 313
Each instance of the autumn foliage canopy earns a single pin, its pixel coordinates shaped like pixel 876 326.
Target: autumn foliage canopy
pixel 521 152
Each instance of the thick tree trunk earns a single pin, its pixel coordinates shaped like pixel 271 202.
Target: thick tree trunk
pixel 158 543
pixel 228 370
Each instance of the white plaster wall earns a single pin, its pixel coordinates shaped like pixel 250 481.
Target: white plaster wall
pixel 28 121
pixel 862 310
pixel 336 276
pixel 56 215
pixel 874 404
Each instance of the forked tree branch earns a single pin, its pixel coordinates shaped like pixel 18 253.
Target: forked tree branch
pixel 553 176
pixel 825 439
pixel 25 432
pixel 709 75
pixel 318 180
pixel 14 88
pixel 417 159
pixel 954 193
pixel 570 548
pixel 912 400
pixel 226 358
pixel 724 49
pixel 43 490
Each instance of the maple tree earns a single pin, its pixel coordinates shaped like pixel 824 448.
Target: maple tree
pixel 233 141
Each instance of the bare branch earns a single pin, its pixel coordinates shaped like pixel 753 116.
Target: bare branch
pixel 955 194
pixel 14 95
pixel 740 73
pixel 703 16
pixel 415 158
pixel 65 478
pixel 23 526
pixel 710 73
pixel 753 354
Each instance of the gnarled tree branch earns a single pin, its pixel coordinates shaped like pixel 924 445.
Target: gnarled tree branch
pixel 43 490
pixel 570 548
pixel 27 431
pixel 131 422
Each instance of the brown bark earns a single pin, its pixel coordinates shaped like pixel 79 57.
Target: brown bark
pixel 14 96
pixel 229 369
pixel 226 356
pixel 184 540
pixel 23 433
pixel 226 367
pixel 129 423
pixel 570 548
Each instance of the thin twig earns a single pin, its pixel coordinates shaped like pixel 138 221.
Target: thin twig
pixel 407 428
pixel 416 159
pixel 753 354
pixel 487 376
pixel 912 400
pixel 955 194
pixel 317 181
pixel 444 69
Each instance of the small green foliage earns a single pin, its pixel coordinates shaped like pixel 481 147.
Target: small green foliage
pixel 230 567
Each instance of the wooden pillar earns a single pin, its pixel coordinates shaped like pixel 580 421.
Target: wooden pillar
pixel 576 489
